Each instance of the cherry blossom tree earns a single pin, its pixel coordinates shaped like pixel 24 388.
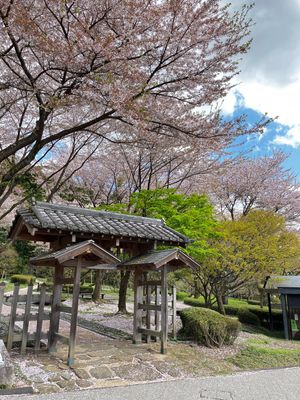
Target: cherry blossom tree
pixel 124 71
pixel 261 183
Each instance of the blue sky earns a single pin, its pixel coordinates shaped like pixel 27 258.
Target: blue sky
pixel 269 81
pixel 269 141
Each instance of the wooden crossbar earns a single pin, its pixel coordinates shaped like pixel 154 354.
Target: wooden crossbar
pixel 22 298
pixel 149 283
pixel 17 337
pixel 32 317
pixel 65 309
pixel 152 307
pixel 150 332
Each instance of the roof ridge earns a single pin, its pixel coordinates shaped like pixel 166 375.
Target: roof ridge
pixel 103 213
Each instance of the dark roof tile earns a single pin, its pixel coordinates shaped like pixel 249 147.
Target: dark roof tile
pixel 80 220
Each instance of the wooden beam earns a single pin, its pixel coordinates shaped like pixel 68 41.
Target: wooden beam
pixel 174 312
pixel 40 317
pixel 150 283
pixel 12 318
pixel 151 307
pixel 164 310
pixel 75 302
pixel 65 309
pixel 148 310
pixel 2 289
pixel 55 313
pixel 150 332
pixel 26 320
pixel 138 313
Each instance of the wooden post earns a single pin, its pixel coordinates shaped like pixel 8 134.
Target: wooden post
pixel 148 312
pixel 285 316
pixel 138 298
pixel 270 312
pixel 157 313
pixel 12 319
pixel 2 289
pixel 55 313
pixel 164 310
pixel 174 315
pixel 75 301
pixel 26 320
pixel 39 322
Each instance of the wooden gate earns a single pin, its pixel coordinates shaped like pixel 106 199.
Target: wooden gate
pixel 25 308
pixel 152 296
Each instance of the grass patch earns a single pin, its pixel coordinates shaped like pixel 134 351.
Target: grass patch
pixel 263 331
pixel 257 357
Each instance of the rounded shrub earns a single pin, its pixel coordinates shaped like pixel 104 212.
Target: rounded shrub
pixel 246 316
pixel 20 278
pixel 208 327
pixel 182 295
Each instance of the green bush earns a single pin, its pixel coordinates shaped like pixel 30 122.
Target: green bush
pixel 254 302
pixel 26 279
pixel 246 316
pixel 85 288
pixel 209 327
pixel 235 305
pixel 182 295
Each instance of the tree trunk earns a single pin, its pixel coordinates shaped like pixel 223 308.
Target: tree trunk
pixel 98 285
pixel 123 291
pixel 220 303
pixel 197 292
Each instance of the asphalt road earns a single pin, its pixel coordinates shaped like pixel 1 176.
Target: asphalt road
pixel 276 384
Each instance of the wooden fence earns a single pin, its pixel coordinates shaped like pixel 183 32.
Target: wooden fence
pixel 25 308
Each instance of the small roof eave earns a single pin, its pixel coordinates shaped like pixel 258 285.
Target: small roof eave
pixel 157 259
pixel 72 252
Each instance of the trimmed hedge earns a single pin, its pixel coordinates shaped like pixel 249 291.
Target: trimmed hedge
pixel 234 306
pixel 254 302
pixel 182 295
pixel 19 278
pixel 208 327
pixel 248 317
pixel 85 288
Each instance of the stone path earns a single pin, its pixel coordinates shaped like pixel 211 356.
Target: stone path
pixel 278 384
pixel 101 361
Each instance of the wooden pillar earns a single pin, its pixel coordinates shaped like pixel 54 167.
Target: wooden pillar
pixel 2 289
pixel 12 318
pixel 285 316
pixel 39 322
pixel 164 310
pixel 147 301
pixel 174 315
pixel 26 320
pixel 270 312
pixel 157 313
pixel 55 313
pixel 138 299
pixel 75 301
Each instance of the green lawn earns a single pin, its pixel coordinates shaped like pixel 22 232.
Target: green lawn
pixel 267 351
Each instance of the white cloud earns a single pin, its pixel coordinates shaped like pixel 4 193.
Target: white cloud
pixel 291 138
pixel 277 101
pixel 270 72
pixel 229 103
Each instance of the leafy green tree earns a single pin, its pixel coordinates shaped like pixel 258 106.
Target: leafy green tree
pixel 250 248
pixel 192 215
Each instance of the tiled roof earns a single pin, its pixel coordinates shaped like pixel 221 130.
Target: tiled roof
pixel 79 220
pixel 75 250
pixel 275 282
pixel 158 258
